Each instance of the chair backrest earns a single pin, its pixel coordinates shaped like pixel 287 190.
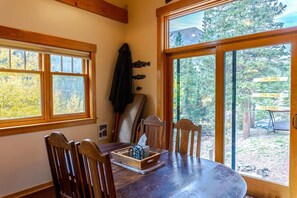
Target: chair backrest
pixel 64 165
pixel 154 129
pixel 186 138
pixel 96 171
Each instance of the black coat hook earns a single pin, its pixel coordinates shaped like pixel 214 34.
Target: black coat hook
pixel 139 64
pixel 138 77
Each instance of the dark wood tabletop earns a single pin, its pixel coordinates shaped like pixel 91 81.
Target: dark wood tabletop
pixel 182 176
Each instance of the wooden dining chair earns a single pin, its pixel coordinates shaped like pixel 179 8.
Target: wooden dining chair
pixel 186 138
pixel 64 165
pixel 96 171
pixel 154 129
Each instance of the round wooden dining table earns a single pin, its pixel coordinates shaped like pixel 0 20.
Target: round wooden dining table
pixel 181 176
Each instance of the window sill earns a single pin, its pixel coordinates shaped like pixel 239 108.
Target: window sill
pixel 14 130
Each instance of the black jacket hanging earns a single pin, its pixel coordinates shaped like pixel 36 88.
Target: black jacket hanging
pixel 121 90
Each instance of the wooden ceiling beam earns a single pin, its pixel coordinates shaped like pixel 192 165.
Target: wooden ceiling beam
pixel 100 7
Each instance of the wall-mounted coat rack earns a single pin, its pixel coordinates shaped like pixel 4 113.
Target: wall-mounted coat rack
pixel 138 88
pixel 139 64
pixel 138 77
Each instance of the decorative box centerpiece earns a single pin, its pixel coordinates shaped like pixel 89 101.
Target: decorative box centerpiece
pixel 124 156
pixel 138 156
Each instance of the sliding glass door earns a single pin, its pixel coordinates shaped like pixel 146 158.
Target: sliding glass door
pixel 257 111
pixel 258 139
pixel 244 94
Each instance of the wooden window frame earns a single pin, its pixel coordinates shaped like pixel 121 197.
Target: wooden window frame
pixel 163 14
pixel 62 46
pixel 69 116
pixel 35 119
pixel 165 56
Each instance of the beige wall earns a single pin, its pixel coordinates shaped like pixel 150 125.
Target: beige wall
pixel 23 159
pixel 141 34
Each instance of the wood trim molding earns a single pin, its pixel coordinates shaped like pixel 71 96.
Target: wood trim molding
pixel 183 5
pixel 213 44
pixel 43 39
pixel 32 190
pixel 161 61
pixel 14 130
pixel 101 8
pixel 92 85
pixel 219 106
pixel 261 188
pixel 293 130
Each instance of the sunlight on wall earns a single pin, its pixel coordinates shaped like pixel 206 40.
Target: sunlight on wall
pixel 24 161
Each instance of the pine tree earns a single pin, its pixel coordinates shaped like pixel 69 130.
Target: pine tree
pixel 241 18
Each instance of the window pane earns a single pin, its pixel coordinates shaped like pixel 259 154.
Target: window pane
pixel 4 58
pixel 20 95
pixel 17 59
pixel 32 61
pixel 257 112
pixel 232 19
pixel 55 63
pixel 77 65
pixel 68 94
pixel 194 97
pixel 67 64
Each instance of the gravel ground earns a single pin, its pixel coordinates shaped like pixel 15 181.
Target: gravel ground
pixel 263 155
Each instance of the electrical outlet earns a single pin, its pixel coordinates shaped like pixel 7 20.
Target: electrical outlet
pixel 102 131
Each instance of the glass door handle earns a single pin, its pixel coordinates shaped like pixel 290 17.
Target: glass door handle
pixel 293 121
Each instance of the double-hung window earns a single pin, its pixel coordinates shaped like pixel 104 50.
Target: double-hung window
pixel 69 79
pixel 45 86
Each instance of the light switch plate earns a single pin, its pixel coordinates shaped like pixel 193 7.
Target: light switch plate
pixel 102 131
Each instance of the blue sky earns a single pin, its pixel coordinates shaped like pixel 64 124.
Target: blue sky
pixel 289 17
pixel 191 20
